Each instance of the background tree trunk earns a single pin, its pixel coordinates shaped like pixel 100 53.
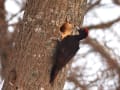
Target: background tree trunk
pixel 29 68
pixel 5 39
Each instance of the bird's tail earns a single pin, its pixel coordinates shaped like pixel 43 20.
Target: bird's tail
pixel 53 74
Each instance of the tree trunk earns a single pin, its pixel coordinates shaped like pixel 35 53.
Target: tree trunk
pixel 29 68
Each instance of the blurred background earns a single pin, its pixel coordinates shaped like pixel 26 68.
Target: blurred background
pixel 97 64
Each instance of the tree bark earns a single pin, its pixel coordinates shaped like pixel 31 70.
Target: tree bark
pixel 29 68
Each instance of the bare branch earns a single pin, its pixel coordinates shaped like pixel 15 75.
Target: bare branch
pixel 112 62
pixel 14 15
pixel 91 6
pixel 72 78
pixel 104 25
pixel 117 2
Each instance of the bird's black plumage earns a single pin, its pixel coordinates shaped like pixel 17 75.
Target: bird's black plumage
pixel 65 51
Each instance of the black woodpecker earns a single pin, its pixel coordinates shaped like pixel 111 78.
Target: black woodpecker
pixel 66 48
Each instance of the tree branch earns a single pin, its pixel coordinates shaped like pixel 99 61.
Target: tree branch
pixel 91 6
pixel 112 62
pixel 103 25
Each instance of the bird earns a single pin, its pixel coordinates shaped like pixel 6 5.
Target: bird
pixel 66 48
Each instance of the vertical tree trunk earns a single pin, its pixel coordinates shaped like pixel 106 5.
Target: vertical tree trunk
pixel 29 68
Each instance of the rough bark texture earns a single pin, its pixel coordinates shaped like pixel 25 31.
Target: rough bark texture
pixel 29 68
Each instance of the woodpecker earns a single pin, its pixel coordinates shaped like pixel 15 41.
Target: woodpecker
pixel 66 48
